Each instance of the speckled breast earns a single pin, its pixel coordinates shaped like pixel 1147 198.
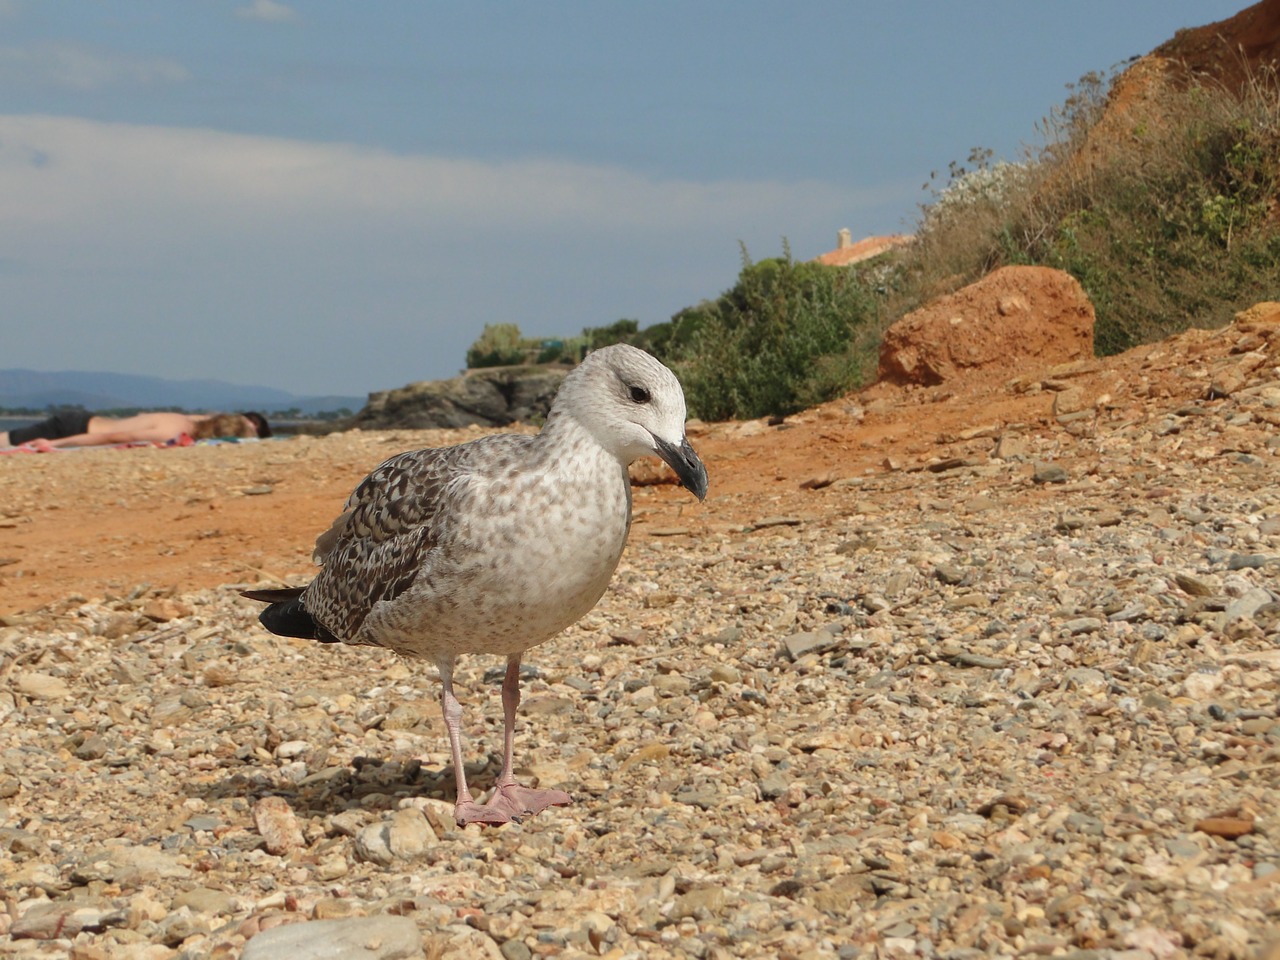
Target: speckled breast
pixel 514 577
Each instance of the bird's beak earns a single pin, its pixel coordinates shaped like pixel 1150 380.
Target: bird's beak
pixel 683 460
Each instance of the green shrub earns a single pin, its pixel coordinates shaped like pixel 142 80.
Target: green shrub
pixel 498 345
pixel 622 331
pixel 551 352
pixel 772 343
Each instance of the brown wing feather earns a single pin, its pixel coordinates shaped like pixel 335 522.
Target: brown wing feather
pixel 385 536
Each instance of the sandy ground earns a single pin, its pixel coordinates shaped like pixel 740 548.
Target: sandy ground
pixel 100 523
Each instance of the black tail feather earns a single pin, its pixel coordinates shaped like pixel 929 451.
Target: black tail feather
pixel 286 616
pixel 274 596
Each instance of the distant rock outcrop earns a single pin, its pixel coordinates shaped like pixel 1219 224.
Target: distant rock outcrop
pixel 491 397
pixel 1010 319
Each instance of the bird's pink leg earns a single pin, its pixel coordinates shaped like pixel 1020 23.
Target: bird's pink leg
pixel 509 796
pixel 465 810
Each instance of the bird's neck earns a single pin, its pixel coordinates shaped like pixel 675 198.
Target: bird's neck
pixel 564 428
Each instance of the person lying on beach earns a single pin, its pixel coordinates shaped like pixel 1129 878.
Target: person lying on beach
pixel 79 428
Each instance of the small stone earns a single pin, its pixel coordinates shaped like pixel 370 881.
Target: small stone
pixel 1202 685
pixel 1010 447
pixel 1248 561
pixel 650 751
pixel 278 826
pixel 949 574
pixel 1071 400
pixel 799 644
pixel 765 522
pixel 701 903
pixel 360 938
pixel 1048 473
pixel 65 918
pixel 820 481
pixel 1229 827
pixel 337 910
pixel 1082 625
pixel 164 610
pixel 409 835
pixel 128 866
pixel 290 749
pixel 94 748
pixel 205 900
pixel 1193 586
pixel 42 686
pixel 726 673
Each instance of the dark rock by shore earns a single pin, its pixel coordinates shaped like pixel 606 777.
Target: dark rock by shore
pixel 494 397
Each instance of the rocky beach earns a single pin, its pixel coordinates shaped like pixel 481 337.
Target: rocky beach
pixel 987 668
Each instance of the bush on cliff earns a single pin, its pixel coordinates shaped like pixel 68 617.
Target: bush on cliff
pixel 773 343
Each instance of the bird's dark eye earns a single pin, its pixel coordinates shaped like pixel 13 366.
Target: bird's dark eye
pixel 639 394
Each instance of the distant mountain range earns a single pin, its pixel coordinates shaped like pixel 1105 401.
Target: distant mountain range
pixel 112 391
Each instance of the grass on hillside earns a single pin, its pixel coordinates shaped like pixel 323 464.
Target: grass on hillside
pixel 1163 207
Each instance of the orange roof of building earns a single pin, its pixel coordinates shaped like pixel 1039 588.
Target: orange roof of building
pixel 849 252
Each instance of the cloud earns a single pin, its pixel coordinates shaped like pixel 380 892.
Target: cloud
pixel 77 67
pixel 337 267
pixel 65 167
pixel 267 10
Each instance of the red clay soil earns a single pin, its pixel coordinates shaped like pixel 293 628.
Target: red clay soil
pixel 1231 51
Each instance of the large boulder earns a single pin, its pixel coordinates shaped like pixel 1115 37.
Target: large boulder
pixel 492 397
pixel 1014 318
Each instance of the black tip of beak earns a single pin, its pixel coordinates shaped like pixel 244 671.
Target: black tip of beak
pixel 688 467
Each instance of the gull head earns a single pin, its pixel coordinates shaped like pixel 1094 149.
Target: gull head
pixel 633 406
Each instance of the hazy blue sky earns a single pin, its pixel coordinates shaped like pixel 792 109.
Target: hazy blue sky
pixel 335 197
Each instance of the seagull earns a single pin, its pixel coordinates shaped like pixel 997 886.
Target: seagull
pixel 494 545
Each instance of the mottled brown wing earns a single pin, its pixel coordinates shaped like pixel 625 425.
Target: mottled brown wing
pixel 391 524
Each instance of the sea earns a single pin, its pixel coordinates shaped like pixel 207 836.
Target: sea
pixel 12 423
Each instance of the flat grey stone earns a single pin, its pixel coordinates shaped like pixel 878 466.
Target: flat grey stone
pixel 361 938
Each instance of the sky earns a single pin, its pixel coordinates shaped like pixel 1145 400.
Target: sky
pixel 334 198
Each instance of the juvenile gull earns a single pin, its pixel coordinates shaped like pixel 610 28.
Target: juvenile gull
pixel 494 545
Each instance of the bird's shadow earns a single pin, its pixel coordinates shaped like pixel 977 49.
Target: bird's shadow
pixel 367 783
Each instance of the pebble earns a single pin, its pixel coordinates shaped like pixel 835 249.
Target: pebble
pixel 1048 473
pixel 363 938
pixel 42 686
pixel 799 644
pixel 404 836
pixel 276 822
